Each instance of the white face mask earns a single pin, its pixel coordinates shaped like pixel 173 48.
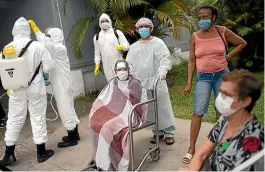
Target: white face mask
pixel 105 25
pixel 223 105
pixel 122 75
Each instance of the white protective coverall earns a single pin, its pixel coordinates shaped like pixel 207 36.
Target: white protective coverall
pixel 60 77
pixel 105 47
pixel 147 59
pixel 34 96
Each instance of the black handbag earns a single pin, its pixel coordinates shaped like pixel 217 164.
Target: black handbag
pixel 230 65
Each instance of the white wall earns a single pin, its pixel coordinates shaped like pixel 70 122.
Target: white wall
pixel 10 11
pixel 182 43
pixel 75 10
pixel 46 14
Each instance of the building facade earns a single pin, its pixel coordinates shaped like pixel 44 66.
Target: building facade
pixel 49 13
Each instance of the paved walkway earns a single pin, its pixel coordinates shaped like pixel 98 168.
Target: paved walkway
pixel 76 158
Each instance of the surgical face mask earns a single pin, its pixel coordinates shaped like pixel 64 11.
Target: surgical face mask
pixel 105 25
pixel 205 24
pixel 144 32
pixel 122 75
pixel 223 105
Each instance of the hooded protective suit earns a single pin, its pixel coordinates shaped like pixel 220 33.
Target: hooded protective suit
pixel 149 60
pixel 60 77
pixel 34 96
pixel 106 47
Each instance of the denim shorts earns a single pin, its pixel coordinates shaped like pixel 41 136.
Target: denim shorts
pixel 205 83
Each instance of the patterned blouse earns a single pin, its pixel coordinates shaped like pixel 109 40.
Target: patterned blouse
pixel 237 149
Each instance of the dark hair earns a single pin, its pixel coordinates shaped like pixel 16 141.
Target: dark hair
pixel 121 60
pixel 248 85
pixel 213 10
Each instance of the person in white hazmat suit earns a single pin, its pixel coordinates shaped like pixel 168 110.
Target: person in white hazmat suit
pixel 61 82
pixel 149 59
pixel 32 97
pixel 108 45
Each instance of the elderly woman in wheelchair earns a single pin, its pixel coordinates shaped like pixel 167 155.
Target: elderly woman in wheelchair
pixel 109 119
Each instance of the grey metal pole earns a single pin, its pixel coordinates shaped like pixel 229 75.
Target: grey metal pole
pixel 156 113
pixel 131 138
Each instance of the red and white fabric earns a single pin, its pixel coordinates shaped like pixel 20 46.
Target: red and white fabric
pixel 109 122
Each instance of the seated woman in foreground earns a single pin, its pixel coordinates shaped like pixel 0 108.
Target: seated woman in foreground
pixel 237 135
pixel 109 119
